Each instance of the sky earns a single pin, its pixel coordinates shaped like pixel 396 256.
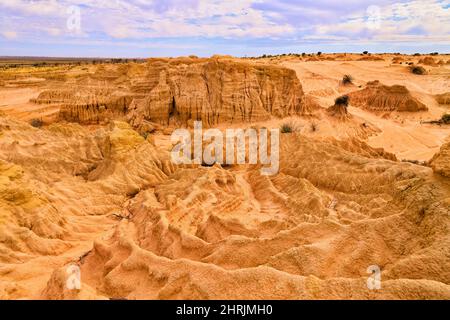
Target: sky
pixel 150 28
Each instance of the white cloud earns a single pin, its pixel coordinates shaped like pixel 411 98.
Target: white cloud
pixel 141 19
pixel 41 7
pixel 9 34
pixel 415 20
pixel 117 20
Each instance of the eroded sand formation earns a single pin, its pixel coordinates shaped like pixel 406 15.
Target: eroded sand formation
pixel 175 91
pixel 107 198
pixel 378 97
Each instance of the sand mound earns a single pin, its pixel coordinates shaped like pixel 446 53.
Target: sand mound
pixel 428 61
pixel 398 60
pixel 371 58
pixel 379 97
pixel 339 109
pixel 441 161
pixel 443 98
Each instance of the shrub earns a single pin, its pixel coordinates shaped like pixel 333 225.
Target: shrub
pixel 37 123
pixel 347 79
pixel 366 52
pixel 445 119
pixel 286 128
pixel 343 101
pixel 319 53
pixel 418 70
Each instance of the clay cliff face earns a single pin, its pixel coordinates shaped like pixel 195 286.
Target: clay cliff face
pixel 176 91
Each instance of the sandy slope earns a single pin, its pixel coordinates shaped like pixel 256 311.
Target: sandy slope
pixel 400 133
pixel 16 102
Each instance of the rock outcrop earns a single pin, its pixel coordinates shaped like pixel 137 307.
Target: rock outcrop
pixel 175 91
pixel 379 97
pixel 428 61
pixel 220 91
pixel 441 161
pixel 443 98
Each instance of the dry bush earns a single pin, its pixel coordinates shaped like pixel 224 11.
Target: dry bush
pixel 342 101
pixel 286 128
pixel 347 79
pixel 37 123
pixel 290 127
pixel 418 70
pixel 445 119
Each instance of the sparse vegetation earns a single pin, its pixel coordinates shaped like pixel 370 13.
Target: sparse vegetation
pixel 342 101
pixel 347 79
pixel 418 70
pixel 37 123
pixel 416 162
pixel 446 119
pixel 290 127
pixel 286 128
